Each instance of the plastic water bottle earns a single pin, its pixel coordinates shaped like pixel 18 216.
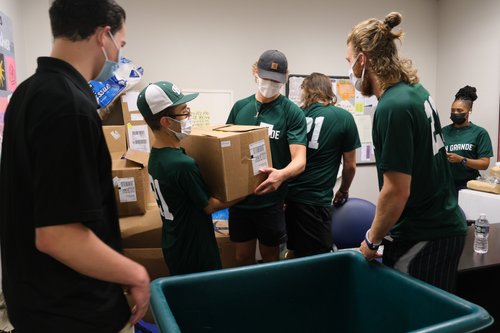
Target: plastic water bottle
pixel 481 233
pixel 495 173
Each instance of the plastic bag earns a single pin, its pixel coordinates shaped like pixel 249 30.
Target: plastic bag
pixel 125 77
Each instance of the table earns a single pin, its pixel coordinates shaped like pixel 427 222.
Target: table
pixel 471 260
pixel 474 203
pixel 478 279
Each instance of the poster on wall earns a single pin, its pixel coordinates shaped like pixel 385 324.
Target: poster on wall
pixel 362 108
pixel 211 107
pixel 8 81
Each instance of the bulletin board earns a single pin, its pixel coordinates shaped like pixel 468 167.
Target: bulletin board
pixel 348 98
pixel 211 107
pixel 8 80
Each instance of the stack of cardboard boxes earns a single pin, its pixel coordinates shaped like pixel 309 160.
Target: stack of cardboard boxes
pixel 229 158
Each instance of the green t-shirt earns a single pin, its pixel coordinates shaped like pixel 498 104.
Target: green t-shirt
pixel 407 137
pixel 470 142
pixel 331 131
pixel 286 124
pixel 188 238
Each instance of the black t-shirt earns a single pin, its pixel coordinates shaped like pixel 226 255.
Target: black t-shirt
pixel 56 169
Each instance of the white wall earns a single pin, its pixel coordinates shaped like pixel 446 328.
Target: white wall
pixel 36 37
pixel 212 45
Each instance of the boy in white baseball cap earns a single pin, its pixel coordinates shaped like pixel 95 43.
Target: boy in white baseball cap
pixel 185 203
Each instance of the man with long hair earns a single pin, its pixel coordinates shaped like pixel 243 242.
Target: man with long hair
pixel 417 205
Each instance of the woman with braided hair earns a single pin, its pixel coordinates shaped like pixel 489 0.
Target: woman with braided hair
pixel 417 206
pixel 468 146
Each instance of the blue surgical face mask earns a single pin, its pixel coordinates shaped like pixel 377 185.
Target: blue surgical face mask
pixel 109 67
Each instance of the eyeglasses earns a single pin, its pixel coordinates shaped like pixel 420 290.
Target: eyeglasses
pixel 186 114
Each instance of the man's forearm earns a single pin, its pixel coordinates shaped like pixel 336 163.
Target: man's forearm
pixel 391 203
pixel 79 248
pixel 298 163
pixel 347 177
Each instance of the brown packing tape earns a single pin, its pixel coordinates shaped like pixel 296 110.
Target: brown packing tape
pixel 236 128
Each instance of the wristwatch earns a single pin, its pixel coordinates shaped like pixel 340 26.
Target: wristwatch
pixel 371 246
pixel 464 161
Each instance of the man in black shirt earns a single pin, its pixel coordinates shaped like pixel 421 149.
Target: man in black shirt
pixel 62 270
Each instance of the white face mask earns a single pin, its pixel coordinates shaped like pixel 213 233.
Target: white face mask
pixel 268 88
pixel 186 126
pixel 356 81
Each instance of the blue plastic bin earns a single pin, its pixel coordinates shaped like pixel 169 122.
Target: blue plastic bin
pixel 337 292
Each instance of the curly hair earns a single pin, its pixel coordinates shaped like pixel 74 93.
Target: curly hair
pixel 317 87
pixel 376 39
pixel 466 94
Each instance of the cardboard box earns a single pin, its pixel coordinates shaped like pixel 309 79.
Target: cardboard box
pixel 124 111
pixel 152 260
pixel 115 138
pixel 142 231
pixel 227 248
pixel 139 135
pixel 131 182
pixel 229 157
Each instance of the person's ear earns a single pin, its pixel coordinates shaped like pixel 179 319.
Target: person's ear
pixel 362 59
pixel 165 122
pixel 101 34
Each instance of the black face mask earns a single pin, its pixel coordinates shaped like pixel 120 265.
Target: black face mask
pixel 458 118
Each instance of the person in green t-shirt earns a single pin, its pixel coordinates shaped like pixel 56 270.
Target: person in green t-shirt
pixel 261 216
pixel 188 239
pixel 332 136
pixel 468 145
pixel 417 206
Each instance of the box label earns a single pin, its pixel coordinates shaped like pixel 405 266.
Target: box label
pixel 126 189
pixel 138 137
pixel 115 134
pixel 136 117
pixel 258 154
pixel 225 144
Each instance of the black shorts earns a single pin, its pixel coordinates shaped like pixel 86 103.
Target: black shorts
pixel 434 261
pixel 265 224
pixel 309 229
